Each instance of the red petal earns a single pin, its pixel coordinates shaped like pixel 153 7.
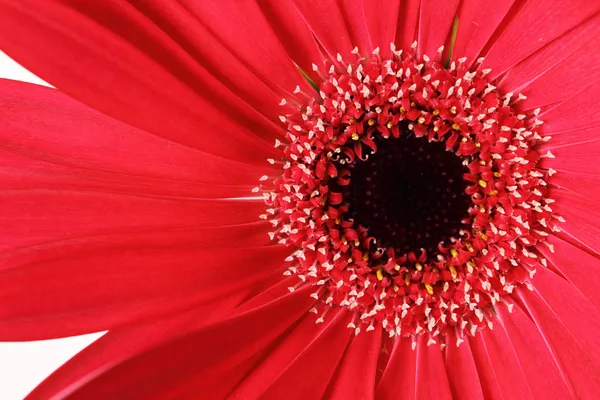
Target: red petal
pixel 478 19
pixel 435 22
pixel 518 335
pixel 569 326
pixel 74 288
pixel 356 376
pixel 311 351
pixel 498 365
pixel 408 20
pixel 382 21
pixel 402 363
pixel 492 387
pixel 134 72
pixel 560 69
pixel 574 113
pixel 582 218
pixel 52 141
pixel 123 343
pixel 461 370
pixel 338 26
pixel 294 34
pixel 529 30
pixel 210 361
pixel 260 50
pixel 580 267
pixel 431 381
pixel 38 215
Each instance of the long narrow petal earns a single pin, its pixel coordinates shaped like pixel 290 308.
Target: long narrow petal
pixel 338 25
pixel 581 268
pixel 76 288
pixel 123 343
pixel 581 218
pixel 519 335
pixel 431 380
pixel 46 135
pixel 294 34
pixel 501 362
pixel 571 60
pixel 408 22
pixel 527 31
pixel 120 63
pixel 478 20
pixel 435 22
pixel 382 21
pixel 461 370
pixel 575 113
pixel 210 361
pixel 243 29
pixel 311 351
pixel 568 324
pixel 402 363
pixel 355 379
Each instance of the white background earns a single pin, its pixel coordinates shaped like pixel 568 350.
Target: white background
pixel 24 365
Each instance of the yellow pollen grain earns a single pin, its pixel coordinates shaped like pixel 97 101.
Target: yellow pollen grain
pixel 371 122
pixel 484 236
pixel 436 112
pixel 453 252
pixel 482 209
pixel 419 266
pixel 379 274
pixel 421 120
pixel 352 121
pixel 429 288
pixel 453 272
pixel 337 221
pixel 482 183
pixel 455 127
pixel 355 136
pixel 497 174
pixel 402 109
pixel 407 280
pixel 365 257
pixel 389 125
pixel 356 243
pixel 469 246
pixel 344 241
pixel 396 287
pixel 481 162
pixel 397 267
pixel 493 192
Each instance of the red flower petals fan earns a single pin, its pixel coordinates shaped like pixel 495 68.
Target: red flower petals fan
pixel 415 219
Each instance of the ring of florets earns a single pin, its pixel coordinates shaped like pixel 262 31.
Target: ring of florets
pixel 373 98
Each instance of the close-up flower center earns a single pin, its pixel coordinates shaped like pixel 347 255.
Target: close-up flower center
pixel 409 194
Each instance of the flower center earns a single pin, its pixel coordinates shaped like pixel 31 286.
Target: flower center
pixel 410 194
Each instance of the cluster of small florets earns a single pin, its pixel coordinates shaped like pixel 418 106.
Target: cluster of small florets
pixel 414 293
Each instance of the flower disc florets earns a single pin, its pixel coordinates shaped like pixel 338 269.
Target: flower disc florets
pixel 344 206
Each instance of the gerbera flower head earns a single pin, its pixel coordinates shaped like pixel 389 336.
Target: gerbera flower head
pixel 305 199
pixel 411 193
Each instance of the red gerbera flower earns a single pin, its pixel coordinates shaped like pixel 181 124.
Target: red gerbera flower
pixel 430 226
